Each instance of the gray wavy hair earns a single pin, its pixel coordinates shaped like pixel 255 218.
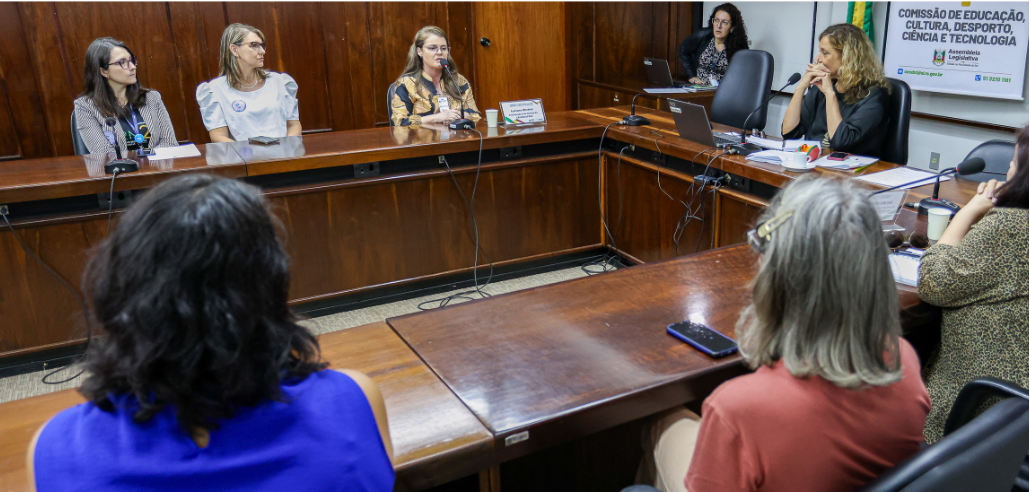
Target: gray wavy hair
pixel 824 299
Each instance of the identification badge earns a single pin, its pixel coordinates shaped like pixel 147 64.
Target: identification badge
pixel 441 101
pixel 138 138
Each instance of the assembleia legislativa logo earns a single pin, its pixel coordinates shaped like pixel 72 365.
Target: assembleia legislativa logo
pixel 938 57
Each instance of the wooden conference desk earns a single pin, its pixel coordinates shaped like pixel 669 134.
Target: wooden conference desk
pixel 538 198
pixel 435 438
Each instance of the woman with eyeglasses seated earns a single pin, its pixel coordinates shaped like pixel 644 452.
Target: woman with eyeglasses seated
pixel 425 91
pixel 706 56
pixel 977 272
pixel 111 89
pixel 845 106
pixel 246 100
pixel 836 398
pixel 203 380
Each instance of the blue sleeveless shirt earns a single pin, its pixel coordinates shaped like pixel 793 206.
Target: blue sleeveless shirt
pixel 324 438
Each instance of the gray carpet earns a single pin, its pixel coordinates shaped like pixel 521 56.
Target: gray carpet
pixel 31 384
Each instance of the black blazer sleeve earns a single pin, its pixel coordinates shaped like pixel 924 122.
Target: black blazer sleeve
pixel 690 51
pixel 809 107
pixel 864 122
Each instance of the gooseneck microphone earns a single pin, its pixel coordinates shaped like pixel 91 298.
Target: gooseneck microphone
pixel 744 148
pixel 460 123
pixel 119 164
pixel 634 119
pixel 973 165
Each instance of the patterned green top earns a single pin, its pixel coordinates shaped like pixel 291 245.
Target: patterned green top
pixel 982 285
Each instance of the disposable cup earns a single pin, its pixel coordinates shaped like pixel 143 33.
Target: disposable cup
pixel 936 222
pixel 491 118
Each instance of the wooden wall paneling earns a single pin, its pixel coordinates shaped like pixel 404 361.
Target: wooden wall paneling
pixel 197 32
pixel 681 22
pixel 737 214
pixel 296 46
pixel 348 64
pixel 461 31
pixel 580 26
pixel 392 26
pixel 30 296
pixel 625 33
pixel 9 148
pixel 55 84
pixel 151 41
pixel 19 79
pixel 527 55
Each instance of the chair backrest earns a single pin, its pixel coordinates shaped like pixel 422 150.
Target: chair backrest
pixel 77 144
pixel 389 101
pixel 746 84
pixel 996 154
pixel 983 455
pixel 895 146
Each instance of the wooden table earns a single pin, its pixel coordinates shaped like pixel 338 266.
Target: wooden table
pixel 435 438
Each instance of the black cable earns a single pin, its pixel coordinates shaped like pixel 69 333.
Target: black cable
pixel 691 214
pixel 470 207
pixel 82 304
pixel 610 256
pixel 110 202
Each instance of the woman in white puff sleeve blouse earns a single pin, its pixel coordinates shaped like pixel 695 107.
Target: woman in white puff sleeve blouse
pixel 246 100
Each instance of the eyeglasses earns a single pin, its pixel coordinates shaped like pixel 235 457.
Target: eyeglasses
pixel 436 50
pixel 723 23
pixel 124 63
pixel 255 45
pixel 915 239
pixel 758 237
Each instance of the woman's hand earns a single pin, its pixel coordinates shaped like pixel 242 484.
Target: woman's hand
pixel 814 71
pixel 825 85
pixel 696 81
pixel 982 202
pixel 445 116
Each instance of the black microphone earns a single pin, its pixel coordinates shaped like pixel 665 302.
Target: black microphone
pixel 633 119
pixel 745 148
pixel 119 164
pixel 973 165
pixel 460 123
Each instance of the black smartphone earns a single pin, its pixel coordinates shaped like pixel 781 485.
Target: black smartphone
pixel 703 338
pixel 263 140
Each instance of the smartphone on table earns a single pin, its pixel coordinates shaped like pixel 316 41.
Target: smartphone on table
pixel 838 156
pixel 703 338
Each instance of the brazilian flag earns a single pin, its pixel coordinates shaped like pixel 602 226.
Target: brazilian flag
pixel 861 15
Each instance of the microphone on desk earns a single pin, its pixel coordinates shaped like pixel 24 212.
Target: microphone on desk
pixel 460 123
pixel 633 119
pixel 973 165
pixel 121 165
pixel 744 148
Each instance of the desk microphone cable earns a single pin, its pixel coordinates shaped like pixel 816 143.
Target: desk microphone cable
pixel 610 255
pixel 470 206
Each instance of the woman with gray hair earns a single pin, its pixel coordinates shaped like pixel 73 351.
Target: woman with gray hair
pixel 836 398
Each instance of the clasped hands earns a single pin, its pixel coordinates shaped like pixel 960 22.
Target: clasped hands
pixel 444 116
pixel 982 202
pixel 818 75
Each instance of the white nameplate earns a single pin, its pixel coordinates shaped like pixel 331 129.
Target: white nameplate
pixel 888 204
pixel 528 112
pixel 516 438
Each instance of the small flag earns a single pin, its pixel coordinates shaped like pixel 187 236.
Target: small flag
pixel 860 14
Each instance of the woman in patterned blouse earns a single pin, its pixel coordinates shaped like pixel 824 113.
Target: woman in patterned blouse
pixel 424 93
pixel 977 272
pixel 705 57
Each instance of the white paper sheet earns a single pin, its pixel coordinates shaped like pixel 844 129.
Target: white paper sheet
pixel 851 162
pixel 766 143
pixel 905 268
pixel 899 176
pixel 188 150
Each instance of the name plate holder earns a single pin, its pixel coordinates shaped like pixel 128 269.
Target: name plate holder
pixel 888 207
pixel 525 112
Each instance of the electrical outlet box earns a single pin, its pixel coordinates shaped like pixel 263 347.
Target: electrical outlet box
pixel 122 199
pixel 511 152
pixel 366 170
pixel 935 160
pixel 3 210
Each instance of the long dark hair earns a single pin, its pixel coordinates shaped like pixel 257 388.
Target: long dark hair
pixel 737 39
pixel 1014 192
pixel 98 57
pixel 190 291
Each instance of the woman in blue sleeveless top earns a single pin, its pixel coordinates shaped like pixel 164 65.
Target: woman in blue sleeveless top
pixel 203 380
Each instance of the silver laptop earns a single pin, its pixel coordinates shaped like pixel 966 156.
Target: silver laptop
pixel 658 72
pixel 692 124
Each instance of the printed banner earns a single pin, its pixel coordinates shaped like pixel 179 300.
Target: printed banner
pixel 969 48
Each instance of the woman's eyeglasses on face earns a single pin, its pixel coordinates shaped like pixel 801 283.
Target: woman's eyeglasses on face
pixel 255 46
pixel 723 23
pixel 436 50
pixel 125 62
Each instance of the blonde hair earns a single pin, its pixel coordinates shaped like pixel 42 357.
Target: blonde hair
pixel 228 65
pixel 413 67
pixel 860 69
pixel 824 300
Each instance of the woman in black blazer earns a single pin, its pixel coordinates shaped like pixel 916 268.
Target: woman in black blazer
pixel 706 55
pixel 112 90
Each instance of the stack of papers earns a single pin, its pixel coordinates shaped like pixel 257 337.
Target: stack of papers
pixel 777 157
pixel 766 143
pixel 188 150
pixel 852 162
pixel 905 266
pixel 901 176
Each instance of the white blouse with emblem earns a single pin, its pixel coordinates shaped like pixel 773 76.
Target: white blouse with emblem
pixel 260 113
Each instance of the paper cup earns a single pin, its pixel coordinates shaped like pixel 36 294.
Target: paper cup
pixel 491 118
pixel 936 222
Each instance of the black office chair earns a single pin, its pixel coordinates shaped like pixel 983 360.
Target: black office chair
pixel 77 144
pixel 981 454
pixel 997 154
pixel 746 84
pixel 389 101
pixel 895 146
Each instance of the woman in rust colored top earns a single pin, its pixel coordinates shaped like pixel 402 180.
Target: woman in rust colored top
pixel 836 398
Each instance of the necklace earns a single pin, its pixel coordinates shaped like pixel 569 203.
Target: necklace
pixel 251 85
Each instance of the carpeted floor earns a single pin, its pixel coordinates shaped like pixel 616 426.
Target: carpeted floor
pixel 30 384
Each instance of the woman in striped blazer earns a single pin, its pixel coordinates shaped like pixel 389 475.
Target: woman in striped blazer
pixel 112 90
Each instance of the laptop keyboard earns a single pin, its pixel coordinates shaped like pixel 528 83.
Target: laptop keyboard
pixel 723 139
